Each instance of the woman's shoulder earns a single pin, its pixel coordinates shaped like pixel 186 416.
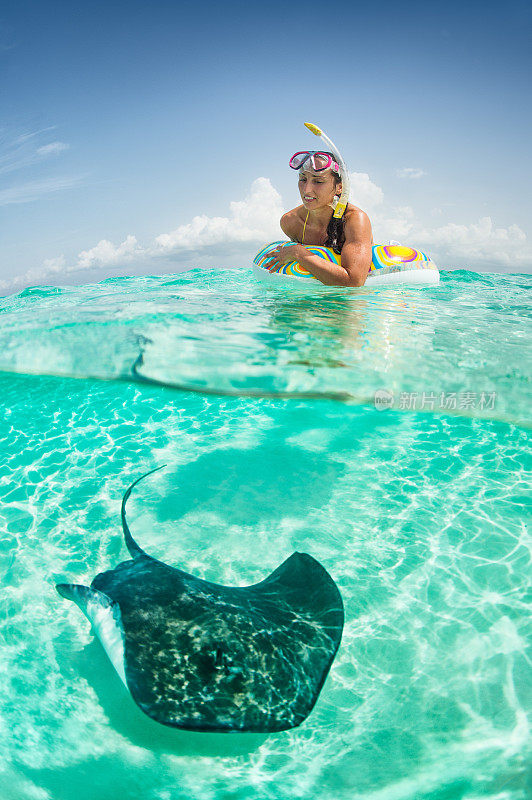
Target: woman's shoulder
pixel 297 213
pixel 357 224
pixel 354 213
pixel 291 221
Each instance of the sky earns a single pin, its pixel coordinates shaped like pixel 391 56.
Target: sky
pixel 146 138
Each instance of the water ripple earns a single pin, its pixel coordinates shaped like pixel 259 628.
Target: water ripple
pixel 453 349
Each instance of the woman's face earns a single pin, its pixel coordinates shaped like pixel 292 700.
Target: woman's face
pixel 317 189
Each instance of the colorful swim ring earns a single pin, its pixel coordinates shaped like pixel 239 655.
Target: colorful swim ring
pixel 390 264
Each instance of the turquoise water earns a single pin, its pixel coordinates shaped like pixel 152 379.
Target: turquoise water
pixel 261 403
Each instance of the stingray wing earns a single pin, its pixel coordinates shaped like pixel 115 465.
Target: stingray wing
pixel 304 618
pixel 104 615
pixel 207 657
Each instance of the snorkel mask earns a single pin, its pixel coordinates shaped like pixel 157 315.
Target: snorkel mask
pixel 318 159
pixel 315 160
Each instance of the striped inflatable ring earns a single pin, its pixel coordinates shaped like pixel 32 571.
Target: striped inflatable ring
pixel 390 263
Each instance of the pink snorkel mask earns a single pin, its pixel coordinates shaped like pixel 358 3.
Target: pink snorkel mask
pixel 320 160
pixel 316 160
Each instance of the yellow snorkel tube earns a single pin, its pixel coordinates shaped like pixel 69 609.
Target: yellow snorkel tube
pixel 344 197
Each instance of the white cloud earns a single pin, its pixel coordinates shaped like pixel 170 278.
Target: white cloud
pixel 410 172
pixel 25 151
pixel 52 149
pixel 479 242
pixel 25 137
pixel 54 264
pixel 100 257
pixel 254 219
pixel 387 222
pixel 396 222
pixel 364 192
pixel 37 275
pixel 106 254
pixel 32 190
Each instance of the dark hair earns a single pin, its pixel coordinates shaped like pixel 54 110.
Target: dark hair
pixel 335 228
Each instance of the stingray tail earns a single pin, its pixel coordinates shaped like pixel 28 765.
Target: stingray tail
pixel 131 544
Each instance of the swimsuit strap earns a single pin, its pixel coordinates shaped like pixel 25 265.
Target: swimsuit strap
pixel 304 229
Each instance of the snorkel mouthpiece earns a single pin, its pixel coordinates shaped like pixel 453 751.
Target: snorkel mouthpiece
pixel 344 197
pixel 313 128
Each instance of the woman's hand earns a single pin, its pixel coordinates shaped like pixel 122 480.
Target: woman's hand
pixel 283 255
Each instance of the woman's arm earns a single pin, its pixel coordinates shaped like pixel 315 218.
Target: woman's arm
pixel 356 254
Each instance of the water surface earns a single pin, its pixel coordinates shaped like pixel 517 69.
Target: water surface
pixel 418 512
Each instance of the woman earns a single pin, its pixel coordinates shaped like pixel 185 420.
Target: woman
pixel 320 184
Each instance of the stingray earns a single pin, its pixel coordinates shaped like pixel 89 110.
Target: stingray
pixel 201 656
